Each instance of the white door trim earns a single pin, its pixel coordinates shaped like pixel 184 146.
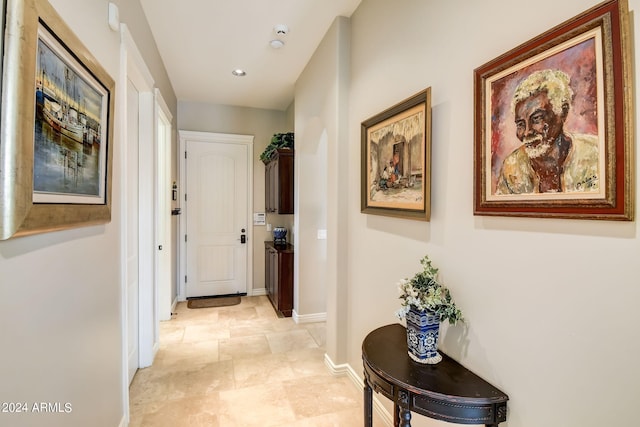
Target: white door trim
pixel 121 101
pixel 213 138
pixel 132 67
pixel 164 297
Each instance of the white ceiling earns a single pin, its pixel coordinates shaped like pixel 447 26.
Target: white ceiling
pixel 202 41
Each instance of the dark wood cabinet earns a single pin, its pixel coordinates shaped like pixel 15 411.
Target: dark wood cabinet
pixel 279 182
pixel 278 268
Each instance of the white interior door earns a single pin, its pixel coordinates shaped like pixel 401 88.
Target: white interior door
pixel 132 229
pixel 163 210
pixel 138 209
pixel 217 206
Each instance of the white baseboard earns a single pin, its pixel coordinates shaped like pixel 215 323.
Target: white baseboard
pixel 337 370
pixel 346 369
pixel 256 292
pixel 308 318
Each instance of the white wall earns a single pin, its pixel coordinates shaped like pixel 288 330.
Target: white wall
pixel 551 304
pixel 260 123
pixel 321 94
pixel 60 295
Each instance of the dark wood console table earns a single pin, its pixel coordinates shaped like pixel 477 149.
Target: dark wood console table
pixel 446 391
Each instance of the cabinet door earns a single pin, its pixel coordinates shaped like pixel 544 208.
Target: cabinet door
pixel 269 187
pixel 274 186
pixel 285 282
pixel 267 271
pixel 275 276
pixel 271 274
pixel 278 184
pixel 284 198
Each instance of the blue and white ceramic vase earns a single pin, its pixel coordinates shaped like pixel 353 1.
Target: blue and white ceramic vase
pixel 423 328
pixel 280 236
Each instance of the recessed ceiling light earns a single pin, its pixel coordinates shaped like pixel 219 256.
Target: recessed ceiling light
pixel 276 44
pixel 239 73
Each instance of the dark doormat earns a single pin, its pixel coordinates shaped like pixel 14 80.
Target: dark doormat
pixel 213 302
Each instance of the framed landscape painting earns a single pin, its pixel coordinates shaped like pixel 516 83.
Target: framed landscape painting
pixel 554 125
pixel 396 157
pixel 57 126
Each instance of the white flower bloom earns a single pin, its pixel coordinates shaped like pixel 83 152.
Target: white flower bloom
pixel 424 292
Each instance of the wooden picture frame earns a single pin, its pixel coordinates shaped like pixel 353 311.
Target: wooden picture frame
pixel 56 126
pixel 3 15
pixel 554 124
pixel 396 160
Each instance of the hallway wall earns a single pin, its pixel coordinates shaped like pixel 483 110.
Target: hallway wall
pixel 262 124
pixel 321 119
pixel 538 294
pixel 551 304
pixel 60 295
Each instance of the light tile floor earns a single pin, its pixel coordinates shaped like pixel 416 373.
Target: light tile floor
pixel 241 366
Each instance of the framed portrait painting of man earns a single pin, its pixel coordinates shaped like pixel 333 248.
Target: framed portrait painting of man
pixel 396 155
pixel 554 124
pixel 56 127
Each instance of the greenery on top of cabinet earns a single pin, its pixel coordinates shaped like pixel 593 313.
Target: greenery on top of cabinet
pixel 279 140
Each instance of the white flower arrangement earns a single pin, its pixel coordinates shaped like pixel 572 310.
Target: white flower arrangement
pixel 424 292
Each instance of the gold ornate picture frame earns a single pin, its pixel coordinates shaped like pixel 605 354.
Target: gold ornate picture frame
pixel 56 126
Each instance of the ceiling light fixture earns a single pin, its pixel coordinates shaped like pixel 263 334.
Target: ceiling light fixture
pixel 239 73
pixel 276 44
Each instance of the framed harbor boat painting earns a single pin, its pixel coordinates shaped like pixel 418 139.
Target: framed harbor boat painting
pixel 554 124
pixel 396 160
pixel 56 126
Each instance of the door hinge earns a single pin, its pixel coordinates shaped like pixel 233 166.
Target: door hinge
pixel 185 238
pixel 185 278
pixel 185 154
pixel 185 197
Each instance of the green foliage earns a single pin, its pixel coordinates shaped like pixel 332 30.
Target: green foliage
pixel 424 292
pixel 279 140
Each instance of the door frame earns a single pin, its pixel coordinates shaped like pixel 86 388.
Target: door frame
pixel 164 286
pixel 132 66
pixel 214 138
